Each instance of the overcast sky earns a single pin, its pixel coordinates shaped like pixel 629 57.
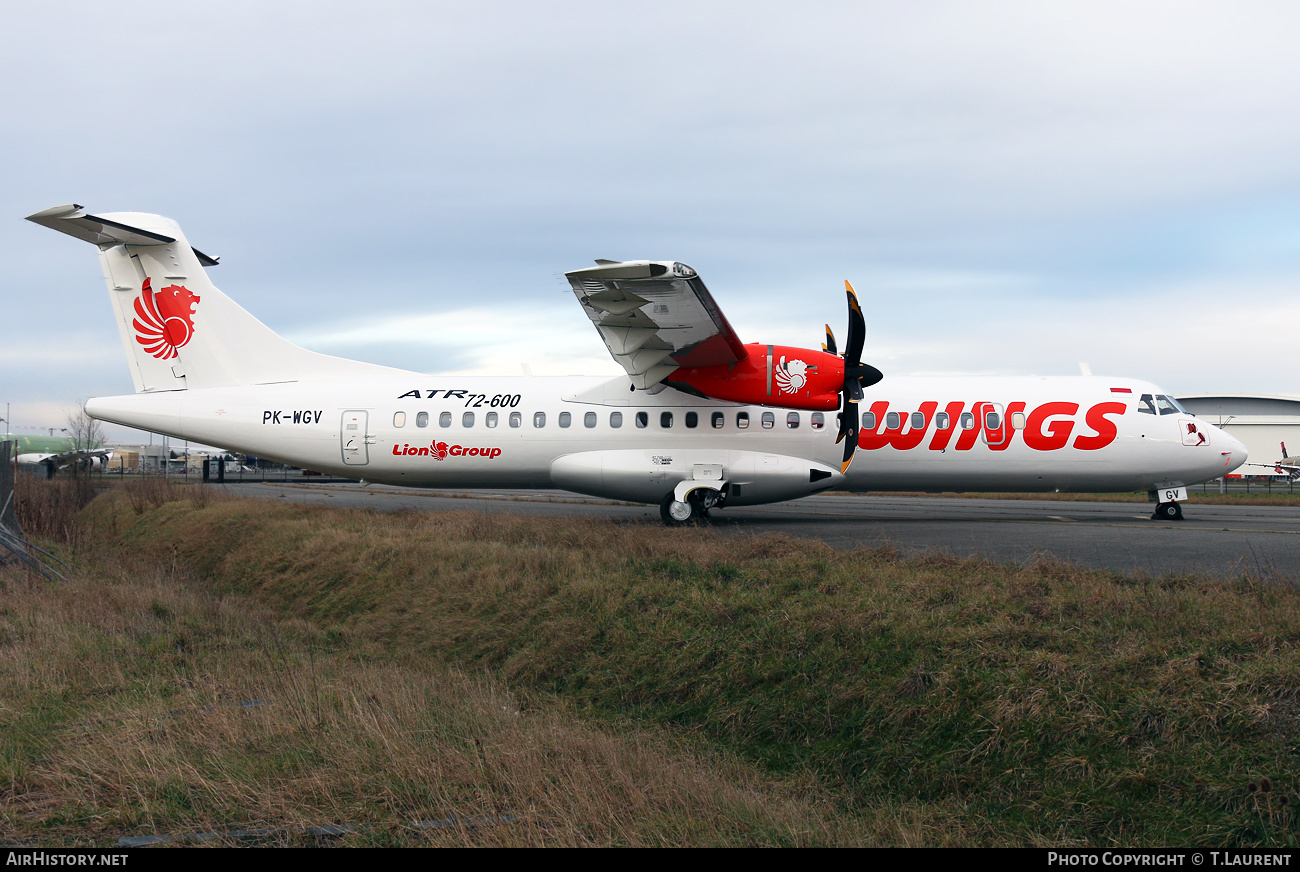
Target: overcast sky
pixel 1011 187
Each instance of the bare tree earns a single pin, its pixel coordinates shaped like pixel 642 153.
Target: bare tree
pixel 87 439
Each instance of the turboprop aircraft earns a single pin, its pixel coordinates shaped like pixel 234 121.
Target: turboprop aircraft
pixel 701 420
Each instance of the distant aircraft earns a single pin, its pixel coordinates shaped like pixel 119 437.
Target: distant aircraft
pixel 1287 466
pixel 53 453
pixel 700 421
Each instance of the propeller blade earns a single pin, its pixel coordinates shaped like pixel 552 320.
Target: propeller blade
pixel 830 341
pixel 844 424
pixel 857 375
pixel 857 329
pixel 848 428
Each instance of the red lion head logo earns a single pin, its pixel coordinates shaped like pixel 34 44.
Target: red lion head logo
pixel 438 450
pixel 164 320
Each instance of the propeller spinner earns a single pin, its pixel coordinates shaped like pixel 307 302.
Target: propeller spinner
pixel 857 375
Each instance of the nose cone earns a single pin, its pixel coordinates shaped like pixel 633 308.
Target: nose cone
pixel 1233 452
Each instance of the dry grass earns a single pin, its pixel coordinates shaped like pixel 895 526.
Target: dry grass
pixel 125 707
pixel 49 509
pixel 870 697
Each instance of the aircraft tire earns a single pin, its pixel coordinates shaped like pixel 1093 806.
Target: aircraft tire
pixel 1168 512
pixel 676 514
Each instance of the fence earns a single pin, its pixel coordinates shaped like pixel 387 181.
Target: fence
pixel 1270 485
pixel 8 520
pixel 212 471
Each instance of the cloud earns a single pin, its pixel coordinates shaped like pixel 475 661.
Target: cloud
pixel 1012 186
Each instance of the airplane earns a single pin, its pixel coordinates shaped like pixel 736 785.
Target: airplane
pixel 1287 466
pixel 53 453
pixel 700 422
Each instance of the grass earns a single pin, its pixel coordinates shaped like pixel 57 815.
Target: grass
pixel 629 684
pixel 135 701
pixel 144 707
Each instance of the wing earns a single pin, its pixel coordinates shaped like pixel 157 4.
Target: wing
pixel 654 317
pixel 79 454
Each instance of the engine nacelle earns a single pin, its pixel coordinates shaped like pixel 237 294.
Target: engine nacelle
pixel 772 375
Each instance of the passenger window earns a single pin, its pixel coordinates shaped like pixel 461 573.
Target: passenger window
pixel 539 419
pixel 742 420
pixel 399 419
pixel 818 420
pixel 516 419
pixel 422 419
pixel 1017 420
pixel 718 420
pixel 589 420
pixel 967 421
pixel 792 420
pixel 491 419
pixel 692 420
pixel 868 420
pixel 918 421
pixel 1146 406
pixel 616 419
pixel 467 419
pixel 642 420
pixel 892 421
pixel 941 421
pixel 665 419
pixel 565 419
pixel 992 420
pixel 444 420
pixel 769 420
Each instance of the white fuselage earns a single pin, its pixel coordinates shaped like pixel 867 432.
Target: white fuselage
pixel 596 436
pixel 206 370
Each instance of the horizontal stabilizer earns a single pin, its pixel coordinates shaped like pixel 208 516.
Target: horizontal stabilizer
pixel 97 230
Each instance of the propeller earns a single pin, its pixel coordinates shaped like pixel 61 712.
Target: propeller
pixel 857 375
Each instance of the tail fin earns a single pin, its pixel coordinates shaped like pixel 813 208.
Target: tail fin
pixel 179 331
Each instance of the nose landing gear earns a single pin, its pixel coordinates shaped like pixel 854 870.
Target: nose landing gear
pixel 1167 512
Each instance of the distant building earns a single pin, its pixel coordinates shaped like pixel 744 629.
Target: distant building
pixel 142 458
pixel 1261 423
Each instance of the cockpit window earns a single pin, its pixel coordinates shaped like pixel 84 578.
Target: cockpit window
pixel 1146 405
pixel 1168 405
pixel 1173 400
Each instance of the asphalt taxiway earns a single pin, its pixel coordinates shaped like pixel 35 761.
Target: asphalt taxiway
pixel 1221 541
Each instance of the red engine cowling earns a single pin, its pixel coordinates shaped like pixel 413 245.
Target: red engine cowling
pixel 772 375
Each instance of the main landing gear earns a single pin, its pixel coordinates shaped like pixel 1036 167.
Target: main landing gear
pixel 693 511
pixel 1167 512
